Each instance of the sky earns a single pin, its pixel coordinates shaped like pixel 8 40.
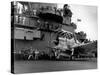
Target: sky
pixel 88 16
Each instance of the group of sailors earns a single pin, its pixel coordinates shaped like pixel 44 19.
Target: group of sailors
pixel 31 53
